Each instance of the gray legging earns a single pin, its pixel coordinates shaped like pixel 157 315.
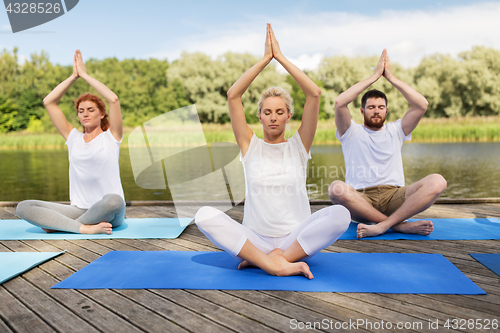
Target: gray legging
pixel 50 215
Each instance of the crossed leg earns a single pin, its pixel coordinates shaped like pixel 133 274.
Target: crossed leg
pixel 100 218
pixel 276 256
pixel 419 196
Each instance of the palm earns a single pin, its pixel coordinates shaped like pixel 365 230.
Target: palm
pixel 268 51
pixel 80 64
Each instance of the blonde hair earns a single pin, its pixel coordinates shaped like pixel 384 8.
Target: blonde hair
pixel 277 92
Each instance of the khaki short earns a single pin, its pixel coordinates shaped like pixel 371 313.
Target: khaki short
pixel 384 198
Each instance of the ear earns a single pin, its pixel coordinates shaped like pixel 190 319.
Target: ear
pixel 362 111
pixel 289 117
pixel 260 120
pixel 386 111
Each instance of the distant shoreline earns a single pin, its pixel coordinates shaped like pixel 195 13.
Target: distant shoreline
pixel 430 130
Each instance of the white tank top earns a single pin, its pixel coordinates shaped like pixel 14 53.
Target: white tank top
pixel 276 199
pixel 93 168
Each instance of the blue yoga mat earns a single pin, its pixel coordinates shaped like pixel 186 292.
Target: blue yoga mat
pixel 490 260
pixel 333 272
pixel 130 228
pixel 14 263
pixel 444 229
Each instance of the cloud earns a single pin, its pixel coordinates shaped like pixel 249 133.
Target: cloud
pixel 407 35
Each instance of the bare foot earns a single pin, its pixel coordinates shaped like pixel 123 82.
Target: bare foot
pixel 49 230
pixel 245 264
pixel 422 227
pixel 281 266
pixel 101 228
pixel 369 230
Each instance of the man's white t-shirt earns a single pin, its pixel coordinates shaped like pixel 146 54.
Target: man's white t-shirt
pixel 373 157
pixel 276 199
pixel 93 168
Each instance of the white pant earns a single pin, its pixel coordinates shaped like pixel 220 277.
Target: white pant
pixel 318 231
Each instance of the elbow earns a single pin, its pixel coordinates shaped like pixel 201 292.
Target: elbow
pixel 47 101
pixel 316 93
pixel 231 94
pixel 338 104
pixel 114 99
pixel 425 104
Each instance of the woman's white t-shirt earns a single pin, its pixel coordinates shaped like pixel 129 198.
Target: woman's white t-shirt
pixel 93 168
pixel 276 199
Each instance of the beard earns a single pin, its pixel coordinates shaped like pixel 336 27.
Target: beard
pixel 374 122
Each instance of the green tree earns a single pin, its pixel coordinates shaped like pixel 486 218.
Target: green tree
pixel 8 113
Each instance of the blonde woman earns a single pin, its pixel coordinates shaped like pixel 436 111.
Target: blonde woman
pixel 278 229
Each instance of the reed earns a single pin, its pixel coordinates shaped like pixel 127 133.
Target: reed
pixel 464 129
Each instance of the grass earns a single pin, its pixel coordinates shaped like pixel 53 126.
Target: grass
pixel 466 129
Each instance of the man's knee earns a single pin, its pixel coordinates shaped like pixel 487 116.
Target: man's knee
pixel 338 191
pixel 436 183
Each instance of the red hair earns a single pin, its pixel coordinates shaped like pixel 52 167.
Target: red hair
pixel 100 105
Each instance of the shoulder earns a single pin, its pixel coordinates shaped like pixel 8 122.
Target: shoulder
pixel 73 135
pixel 110 137
pixel 353 129
pixel 396 128
pixel 254 142
pixel 296 143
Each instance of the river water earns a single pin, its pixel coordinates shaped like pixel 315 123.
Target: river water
pixel 471 169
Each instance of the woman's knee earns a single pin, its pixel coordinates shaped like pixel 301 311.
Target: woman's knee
pixel 341 216
pixel 114 202
pixel 24 207
pixel 205 214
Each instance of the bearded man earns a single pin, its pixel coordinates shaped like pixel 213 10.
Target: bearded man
pixel 374 191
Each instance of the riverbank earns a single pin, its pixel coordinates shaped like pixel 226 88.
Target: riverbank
pixel 439 130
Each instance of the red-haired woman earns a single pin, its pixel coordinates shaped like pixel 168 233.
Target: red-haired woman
pixel 96 193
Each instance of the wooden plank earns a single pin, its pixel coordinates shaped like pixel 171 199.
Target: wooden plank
pixel 117 303
pixel 131 311
pixel 17 246
pixel 221 315
pixel 186 318
pixel 465 307
pixel 366 309
pixel 52 312
pixel 6 215
pixel 17 316
pixel 248 309
pixel 292 311
pixel 11 211
pixel 81 306
pixel 330 311
pixel 4 328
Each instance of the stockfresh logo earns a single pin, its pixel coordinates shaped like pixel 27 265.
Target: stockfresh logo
pixel 170 151
pixel 28 14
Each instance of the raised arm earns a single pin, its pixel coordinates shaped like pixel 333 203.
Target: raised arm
pixel 115 114
pixel 342 113
pixel 241 130
pixel 51 102
pixel 418 103
pixel 310 114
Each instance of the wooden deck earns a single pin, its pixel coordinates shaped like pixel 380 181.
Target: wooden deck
pixel 27 304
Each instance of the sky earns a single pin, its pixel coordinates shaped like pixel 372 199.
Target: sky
pixel 306 30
